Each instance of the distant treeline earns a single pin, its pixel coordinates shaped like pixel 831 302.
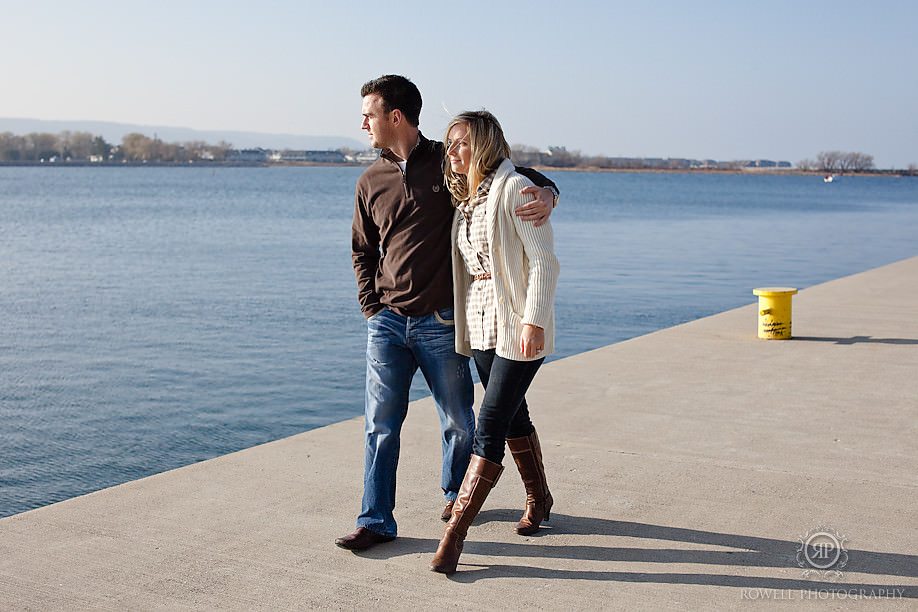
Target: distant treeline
pixel 831 162
pixel 560 157
pixel 839 161
pixel 139 148
pixel 83 147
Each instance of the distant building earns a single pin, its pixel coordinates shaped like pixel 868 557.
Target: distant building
pixel 318 157
pixel 765 164
pixel 248 155
pixel 364 157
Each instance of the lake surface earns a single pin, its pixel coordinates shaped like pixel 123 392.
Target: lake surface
pixel 155 317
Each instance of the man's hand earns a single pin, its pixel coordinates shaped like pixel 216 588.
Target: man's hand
pixel 532 340
pixel 539 209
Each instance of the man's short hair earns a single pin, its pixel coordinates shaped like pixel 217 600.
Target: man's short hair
pixel 396 92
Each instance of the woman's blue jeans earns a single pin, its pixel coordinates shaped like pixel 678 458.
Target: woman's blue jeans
pixel 396 347
pixel 504 413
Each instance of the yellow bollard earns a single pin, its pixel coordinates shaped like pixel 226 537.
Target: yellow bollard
pixel 775 312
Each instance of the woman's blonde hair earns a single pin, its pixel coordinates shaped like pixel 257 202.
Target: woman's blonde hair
pixel 489 148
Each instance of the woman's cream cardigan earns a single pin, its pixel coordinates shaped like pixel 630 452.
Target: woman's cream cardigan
pixel 523 266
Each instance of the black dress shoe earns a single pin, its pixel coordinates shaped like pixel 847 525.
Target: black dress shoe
pixel 361 539
pixel 447 512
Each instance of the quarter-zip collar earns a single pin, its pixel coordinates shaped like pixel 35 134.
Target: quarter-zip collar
pixel 422 144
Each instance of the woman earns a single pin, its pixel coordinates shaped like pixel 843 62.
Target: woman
pixel 504 277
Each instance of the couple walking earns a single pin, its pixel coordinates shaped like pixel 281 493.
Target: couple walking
pixel 454 259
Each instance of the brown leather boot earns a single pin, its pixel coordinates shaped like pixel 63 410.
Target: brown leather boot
pixel 480 478
pixel 527 454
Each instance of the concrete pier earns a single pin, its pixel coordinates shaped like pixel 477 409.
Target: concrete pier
pixel 688 467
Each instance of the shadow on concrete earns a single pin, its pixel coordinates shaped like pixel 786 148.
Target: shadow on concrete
pixel 750 551
pixel 817 588
pixel 856 340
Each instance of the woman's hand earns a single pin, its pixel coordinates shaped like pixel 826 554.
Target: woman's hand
pixel 532 341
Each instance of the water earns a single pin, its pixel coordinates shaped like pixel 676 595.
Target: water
pixel 155 317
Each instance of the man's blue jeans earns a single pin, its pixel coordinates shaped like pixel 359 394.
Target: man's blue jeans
pixel 396 347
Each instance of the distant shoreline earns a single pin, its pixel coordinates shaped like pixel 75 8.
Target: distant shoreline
pixel 747 171
pixel 240 164
pixel 158 164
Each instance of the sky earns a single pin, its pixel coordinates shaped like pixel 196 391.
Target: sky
pixel 725 80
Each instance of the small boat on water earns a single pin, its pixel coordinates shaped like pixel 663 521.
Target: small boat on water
pixel 829 178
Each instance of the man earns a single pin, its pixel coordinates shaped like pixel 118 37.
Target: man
pixel 401 254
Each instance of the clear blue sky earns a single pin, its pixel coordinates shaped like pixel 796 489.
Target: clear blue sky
pixel 726 80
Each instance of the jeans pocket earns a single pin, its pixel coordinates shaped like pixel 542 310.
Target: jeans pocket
pixel 445 317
